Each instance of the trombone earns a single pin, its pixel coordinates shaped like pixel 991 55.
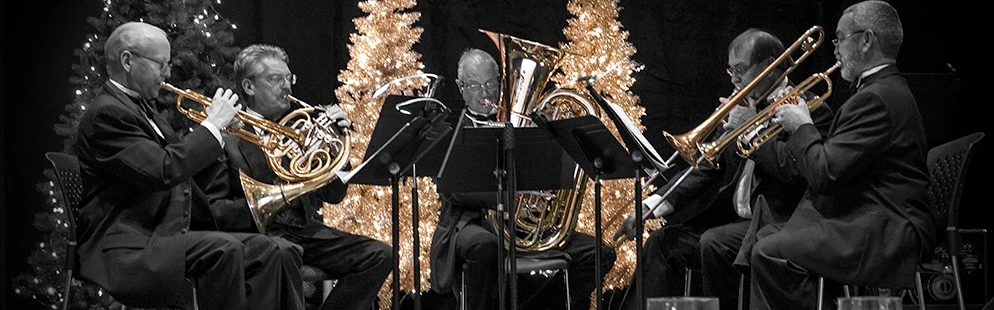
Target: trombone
pixel 689 145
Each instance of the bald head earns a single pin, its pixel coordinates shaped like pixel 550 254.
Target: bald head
pixel 133 36
pixel 137 56
pixel 475 61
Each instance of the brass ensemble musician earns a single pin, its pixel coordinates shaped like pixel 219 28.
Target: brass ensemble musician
pixel 360 264
pixel 465 244
pixel 146 232
pixel 864 219
pixel 716 212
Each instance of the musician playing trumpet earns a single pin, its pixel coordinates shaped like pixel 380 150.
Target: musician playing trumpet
pixel 360 264
pixel 713 213
pixel 864 219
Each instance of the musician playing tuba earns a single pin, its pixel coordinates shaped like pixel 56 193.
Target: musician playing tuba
pixel 359 263
pixel 711 212
pixel 464 244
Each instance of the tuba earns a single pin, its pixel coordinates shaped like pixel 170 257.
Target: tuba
pixel 544 219
pixel 305 149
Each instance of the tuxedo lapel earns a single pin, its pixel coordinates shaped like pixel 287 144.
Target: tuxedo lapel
pixel 138 109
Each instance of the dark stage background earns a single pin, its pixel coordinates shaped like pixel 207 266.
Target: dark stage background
pixel 681 42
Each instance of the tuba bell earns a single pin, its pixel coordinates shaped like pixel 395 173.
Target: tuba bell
pixel 544 219
pixel 305 149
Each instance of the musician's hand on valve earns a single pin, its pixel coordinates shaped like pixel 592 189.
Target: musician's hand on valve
pixel 224 105
pixel 738 116
pixel 792 116
pixel 335 113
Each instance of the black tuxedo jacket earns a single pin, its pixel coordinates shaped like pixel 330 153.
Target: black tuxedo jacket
pixel 864 218
pixel 141 194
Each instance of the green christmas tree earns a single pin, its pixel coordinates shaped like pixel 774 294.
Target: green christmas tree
pixel 202 51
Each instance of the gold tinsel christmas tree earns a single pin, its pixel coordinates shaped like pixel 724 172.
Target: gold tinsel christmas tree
pixel 381 52
pixel 596 43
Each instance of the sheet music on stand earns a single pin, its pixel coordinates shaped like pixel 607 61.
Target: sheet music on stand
pixel 630 134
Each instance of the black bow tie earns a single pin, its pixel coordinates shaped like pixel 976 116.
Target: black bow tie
pixel 144 106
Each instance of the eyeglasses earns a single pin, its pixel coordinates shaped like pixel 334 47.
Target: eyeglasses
pixel 736 71
pixel 489 86
pixel 740 70
pixel 278 79
pixel 164 66
pixel 840 39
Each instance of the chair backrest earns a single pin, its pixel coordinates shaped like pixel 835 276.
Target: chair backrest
pixel 947 166
pixel 69 183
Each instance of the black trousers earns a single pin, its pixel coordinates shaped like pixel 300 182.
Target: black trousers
pixel 476 247
pixel 359 263
pixel 719 247
pixel 476 250
pixel 778 283
pixel 581 249
pixel 244 271
pixel 667 252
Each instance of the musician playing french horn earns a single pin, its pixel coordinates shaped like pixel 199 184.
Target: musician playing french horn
pixel 360 264
pixel 713 212
pixel 464 243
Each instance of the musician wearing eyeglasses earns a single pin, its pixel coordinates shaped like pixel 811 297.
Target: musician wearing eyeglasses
pixel 712 213
pixel 464 243
pixel 359 264
pixel 864 219
pixel 147 235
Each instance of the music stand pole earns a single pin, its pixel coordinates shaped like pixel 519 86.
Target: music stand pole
pixel 510 191
pixel 598 235
pixel 499 175
pixel 394 169
pixel 415 247
pixel 637 158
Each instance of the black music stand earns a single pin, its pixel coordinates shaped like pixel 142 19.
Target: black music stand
pixel 601 156
pixel 407 130
pixel 475 152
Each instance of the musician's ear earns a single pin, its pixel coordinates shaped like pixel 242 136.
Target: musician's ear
pixel 248 87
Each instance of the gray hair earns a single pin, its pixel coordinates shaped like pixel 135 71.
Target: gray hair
pixel 247 63
pixel 881 18
pixel 128 37
pixel 475 58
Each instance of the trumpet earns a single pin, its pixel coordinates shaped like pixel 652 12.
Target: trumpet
pixel 249 119
pixel 761 128
pixel 697 152
pixel 305 149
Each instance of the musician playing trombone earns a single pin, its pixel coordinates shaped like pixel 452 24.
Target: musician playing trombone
pixel 717 211
pixel 864 219
pixel 360 264
pixel 146 233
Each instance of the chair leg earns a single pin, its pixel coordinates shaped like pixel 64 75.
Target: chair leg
pixel 742 279
pixel 462 291
pixel 569 301
pixel 845 290
pixel 920 291
pixel 959 289
pixel 66 290
pixel 686 282
pixel 821 292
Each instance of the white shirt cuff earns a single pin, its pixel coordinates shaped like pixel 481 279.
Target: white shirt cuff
pixel 214 131
pixel 654 200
